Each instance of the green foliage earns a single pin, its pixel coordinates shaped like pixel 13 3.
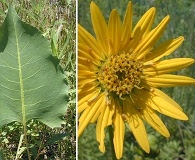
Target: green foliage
pixel 52 18
pixel 31 86
pixel 181 144
pixel 32 83
pixel 1 155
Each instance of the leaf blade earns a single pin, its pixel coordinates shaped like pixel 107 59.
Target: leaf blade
pixel 31 86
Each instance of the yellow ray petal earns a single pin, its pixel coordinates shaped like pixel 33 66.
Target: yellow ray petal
pixel 87 74
pixel 96 115
pixel 100 27
pixel 87 88
pixel 86 38
pixel 163 106
pixel 88 114
pixel 145 23
pixel 145 97
pixel 127 26
pixel 83 81
pixel 136 124
pixel 149 41
pixel 104 120
pixel 86 65
pixel 84 52
pixel 119 131
pixel 140 99
pixel 164 49
pixel 114 29
pixel 86 97
pixel 153 120
pixel 169 80
pixel 89 93
pixel 85 123
pixel 142 28
pixel 161 94
pixel 168 66
pixel 82 107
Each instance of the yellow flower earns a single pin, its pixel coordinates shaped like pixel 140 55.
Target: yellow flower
pixel 119 72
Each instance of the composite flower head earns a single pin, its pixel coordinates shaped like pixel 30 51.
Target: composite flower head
pixel 119 71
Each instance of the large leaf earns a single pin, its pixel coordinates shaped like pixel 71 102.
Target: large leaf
pixel 31 82
pixel 55 138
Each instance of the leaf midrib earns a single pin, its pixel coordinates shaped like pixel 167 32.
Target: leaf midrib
pixel 20 77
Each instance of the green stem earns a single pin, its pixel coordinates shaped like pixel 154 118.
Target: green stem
pixel 26 142
pixel 111 135
pixel 41 144
pixel 19 145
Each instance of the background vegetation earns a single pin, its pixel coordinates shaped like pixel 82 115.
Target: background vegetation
pixel 56 19
pixel 181 144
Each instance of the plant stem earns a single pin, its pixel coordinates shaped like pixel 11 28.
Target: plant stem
pixel 110 131
pixel 41 144
pixel 19 145
pixel 26 142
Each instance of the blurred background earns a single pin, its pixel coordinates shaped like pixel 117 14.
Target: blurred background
pixel 181 144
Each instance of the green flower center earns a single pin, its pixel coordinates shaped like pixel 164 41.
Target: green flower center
pixel 120 74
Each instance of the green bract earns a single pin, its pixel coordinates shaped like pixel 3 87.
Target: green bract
pixel 32 84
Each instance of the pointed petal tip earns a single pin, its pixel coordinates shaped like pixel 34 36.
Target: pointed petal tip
pixel 102 148
pixel 114 11
pixel 185 118
pixel 168 135
pixel 129 3
pixel 147 150
pixel 92 5
pixel 181 37
pixel 129 6
pixel 118 157
pixel 182 117
pixel 153 10
pixel 166 19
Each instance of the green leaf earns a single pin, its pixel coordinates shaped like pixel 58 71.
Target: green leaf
pixel 55 138
pixel 34 151
pixel 1 155
pixel 32 85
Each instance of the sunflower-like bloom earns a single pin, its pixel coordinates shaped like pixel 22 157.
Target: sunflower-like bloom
pixel 119 71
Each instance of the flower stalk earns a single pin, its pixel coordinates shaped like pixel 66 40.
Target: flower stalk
pixel 111 136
